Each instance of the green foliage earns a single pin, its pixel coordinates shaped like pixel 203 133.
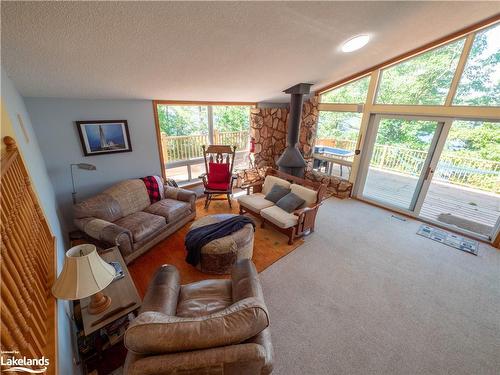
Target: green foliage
pixel 352 93
pixel 231 118
pixel 186 120
pixel 338 125
pixel 480 82
pixel 183 120
pixel 416 135
pixel 424 79
pixel 478 139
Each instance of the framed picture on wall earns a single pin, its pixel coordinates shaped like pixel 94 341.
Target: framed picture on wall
pixel 104 137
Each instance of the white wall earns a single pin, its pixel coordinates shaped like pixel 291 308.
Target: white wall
pixel 32 155
pixel 54 124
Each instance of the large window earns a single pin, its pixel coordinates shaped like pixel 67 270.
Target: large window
pixel 480 83
pixel 424 79
pixel 185 128
pixel 231 126
pixel 354 92
pixel 428 134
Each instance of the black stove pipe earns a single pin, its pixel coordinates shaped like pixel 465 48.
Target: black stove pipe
pixel 292 161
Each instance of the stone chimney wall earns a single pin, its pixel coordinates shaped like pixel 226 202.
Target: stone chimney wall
pixel 268 126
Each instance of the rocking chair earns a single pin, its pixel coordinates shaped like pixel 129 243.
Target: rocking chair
pixel 218 179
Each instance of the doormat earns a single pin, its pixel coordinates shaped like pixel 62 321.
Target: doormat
pixel 450 239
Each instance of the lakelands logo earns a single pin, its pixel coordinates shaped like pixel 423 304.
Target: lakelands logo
pixel 11 363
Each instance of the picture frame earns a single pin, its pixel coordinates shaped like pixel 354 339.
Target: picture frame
pixel 104 137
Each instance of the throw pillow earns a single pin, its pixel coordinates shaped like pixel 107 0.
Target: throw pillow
pixel 276 193
pixel 290 202
pixel 218 172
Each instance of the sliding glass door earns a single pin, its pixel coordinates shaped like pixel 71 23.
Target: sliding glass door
pixel 464 192
pixel 400 159
pixel 446 171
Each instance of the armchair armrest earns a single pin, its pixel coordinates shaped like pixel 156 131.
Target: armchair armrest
pixel 257 186
pixel 302 211
pixel 106 231
pixel 167 334
pixel 163 291
pixel 181 195
pixel 306 218
pixel 245 281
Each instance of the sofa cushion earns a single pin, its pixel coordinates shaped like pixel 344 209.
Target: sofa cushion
pixel 279 217
pixel 254 202
pixel 276 193
pixel 203 298
pixel 142 224
pixel 270 181
pixel 101 206
pixel 308 195
pixel 290 202
pixel 170 209
pixel 131 195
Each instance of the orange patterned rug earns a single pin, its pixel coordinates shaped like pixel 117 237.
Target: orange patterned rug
pixel 269 246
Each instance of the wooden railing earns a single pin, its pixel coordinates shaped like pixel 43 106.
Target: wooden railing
pixel 239 139
pixel 176 148
pixel 28 309
pixel 477 173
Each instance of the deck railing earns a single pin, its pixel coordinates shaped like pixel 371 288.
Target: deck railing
pixel 177 148
pixel 477 173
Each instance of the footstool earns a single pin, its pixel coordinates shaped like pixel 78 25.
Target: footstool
pixel 218 256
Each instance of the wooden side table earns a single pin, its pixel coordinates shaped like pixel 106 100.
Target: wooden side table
pixel 123 294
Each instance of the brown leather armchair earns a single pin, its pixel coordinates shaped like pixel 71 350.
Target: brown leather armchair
pixel 207 327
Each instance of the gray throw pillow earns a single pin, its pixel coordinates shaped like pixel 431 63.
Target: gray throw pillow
pixel 290 202
pixel 276 193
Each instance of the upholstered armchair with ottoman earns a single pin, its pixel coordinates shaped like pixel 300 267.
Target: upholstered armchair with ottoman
pixel 207 327
pixel 123 215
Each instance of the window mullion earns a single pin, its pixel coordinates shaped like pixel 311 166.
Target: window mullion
pixel 460 68
pixel 210 115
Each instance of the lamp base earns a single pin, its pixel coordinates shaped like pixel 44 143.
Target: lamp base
pixel 98 303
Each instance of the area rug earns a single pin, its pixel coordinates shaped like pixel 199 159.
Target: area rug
pixel 269 246
pixel 450 239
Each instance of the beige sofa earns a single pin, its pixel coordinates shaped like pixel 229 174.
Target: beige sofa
pixel 124 216
pixel 295 224
pixel 207 327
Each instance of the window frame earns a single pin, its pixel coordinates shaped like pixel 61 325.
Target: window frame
pixel 448 110
pixel 210 123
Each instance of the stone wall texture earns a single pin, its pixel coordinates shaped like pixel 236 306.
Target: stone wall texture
pixel 269 128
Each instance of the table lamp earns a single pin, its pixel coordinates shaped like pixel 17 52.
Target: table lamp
pixel 85 274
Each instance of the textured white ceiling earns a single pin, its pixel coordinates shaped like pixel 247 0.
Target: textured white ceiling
pixel 237 51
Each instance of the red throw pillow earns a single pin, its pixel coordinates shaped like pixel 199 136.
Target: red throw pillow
pixel 218 172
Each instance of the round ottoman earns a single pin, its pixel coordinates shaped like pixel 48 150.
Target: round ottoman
pixel 219 255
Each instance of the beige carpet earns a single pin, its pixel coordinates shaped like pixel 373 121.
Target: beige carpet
pixel 366 295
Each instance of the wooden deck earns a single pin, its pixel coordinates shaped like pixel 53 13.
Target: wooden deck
pixel 465 208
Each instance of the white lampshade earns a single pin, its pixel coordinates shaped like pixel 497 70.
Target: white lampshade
pixel 84 273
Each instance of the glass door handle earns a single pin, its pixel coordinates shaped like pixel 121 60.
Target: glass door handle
pixel 428 172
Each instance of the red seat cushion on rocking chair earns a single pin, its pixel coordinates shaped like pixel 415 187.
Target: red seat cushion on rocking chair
pixel 218 173
pixel 220 186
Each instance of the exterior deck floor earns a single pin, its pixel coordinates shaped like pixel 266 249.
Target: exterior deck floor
pixel 463 207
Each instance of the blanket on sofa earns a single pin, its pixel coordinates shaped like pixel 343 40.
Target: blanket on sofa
pixel 154 186
pixel 199 237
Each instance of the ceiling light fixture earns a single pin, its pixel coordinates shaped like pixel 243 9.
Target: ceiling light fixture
pixel 355 43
